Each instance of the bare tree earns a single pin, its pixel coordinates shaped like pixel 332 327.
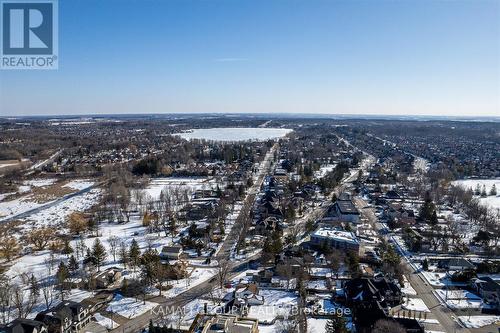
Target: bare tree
pixel 9 247
pixel 5 299
pixel 18 300
pixel 222 272
pixel 40 237
pixel 113 242
pixel 286 326
pixel 48 293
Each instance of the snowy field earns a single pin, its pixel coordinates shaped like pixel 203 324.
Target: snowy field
pixel 235 134
pixel 40 182
pixel 27 202
pixel 490 200
pixel 57 214
pixel 198 275
pixel 191 184
pixel 17 206
pixel 79 184
pixel 129 307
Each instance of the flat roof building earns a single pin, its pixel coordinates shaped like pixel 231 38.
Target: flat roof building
pixel 338 239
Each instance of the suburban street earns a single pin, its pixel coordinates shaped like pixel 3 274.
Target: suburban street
pixel 235 267
pixel 424 291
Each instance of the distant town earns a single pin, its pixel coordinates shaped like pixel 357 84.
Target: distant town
pixel 249 223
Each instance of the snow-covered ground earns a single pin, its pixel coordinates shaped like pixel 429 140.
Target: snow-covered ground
pixel 79 184
pixel 191 309
pixel 459 299
pixel 408 289
pixel 435 279
pixel 479 321
pixel 129 307
pixel 315 325
pixel 321 271
pixel 17 206
pixel 105 321
pixel 323 170
pixel 277 303
pixel 457 294
pixel 235 134
pixel 317 285
pixel 157 185
pixel 27 202
pixel 415 304
pixel 57 214
pixel 492 201
pixel 40 182
pixel 198 275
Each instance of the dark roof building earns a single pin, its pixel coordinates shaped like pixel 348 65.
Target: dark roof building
pixel 20 325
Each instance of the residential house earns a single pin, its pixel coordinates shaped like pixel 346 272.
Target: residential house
pixel 370 300
pixel 343 210
pixel 248 294
pixel 173 252
pixel 66 317
pixel 455 264
pixel 488 289
pixel 108 278
pixel 20 325
pixel 378 289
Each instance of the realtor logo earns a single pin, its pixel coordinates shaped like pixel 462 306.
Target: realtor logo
pixel 29 34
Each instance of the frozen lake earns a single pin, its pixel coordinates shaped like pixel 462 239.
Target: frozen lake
pixel 235 134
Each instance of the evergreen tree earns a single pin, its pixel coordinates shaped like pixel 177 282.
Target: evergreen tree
pixel 309 225
pixel 89 258
pixel 425 264
pixel 153 271
pixel 98 253
pixel 61 276
pixel 123 254
pixel 433 219
pixel 134 253
pixel 172 226
pixel 73 264
pixel 493 190
pixel 483 191
pixel 428 209
pixel 477 191
pixel 67 249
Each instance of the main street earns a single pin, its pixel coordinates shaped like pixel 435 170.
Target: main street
pixel 235 268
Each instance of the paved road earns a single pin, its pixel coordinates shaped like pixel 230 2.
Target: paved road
pixel 136 324
pixel 424 291
pixel 239 225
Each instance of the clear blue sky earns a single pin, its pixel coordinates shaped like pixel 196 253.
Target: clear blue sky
pixel 362 57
